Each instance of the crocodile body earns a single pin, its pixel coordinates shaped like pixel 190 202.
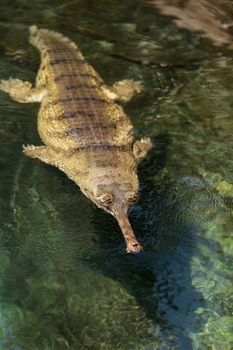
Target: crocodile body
pixel 85 132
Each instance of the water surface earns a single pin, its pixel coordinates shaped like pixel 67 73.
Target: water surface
pixel 66 281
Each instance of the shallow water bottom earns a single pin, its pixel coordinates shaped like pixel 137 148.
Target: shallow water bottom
pixel 66 281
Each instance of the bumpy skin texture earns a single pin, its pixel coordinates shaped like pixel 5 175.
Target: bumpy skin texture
pixel 85 133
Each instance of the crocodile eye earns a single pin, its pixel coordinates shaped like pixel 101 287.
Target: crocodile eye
pixel 131 197
pixel 105 198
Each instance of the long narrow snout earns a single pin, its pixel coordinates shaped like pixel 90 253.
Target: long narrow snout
pixel 132 244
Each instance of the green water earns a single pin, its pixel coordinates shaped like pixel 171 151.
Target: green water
pixel 66 281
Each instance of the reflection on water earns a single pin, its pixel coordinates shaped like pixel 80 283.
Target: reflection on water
pixel 212 18
pixel 65 280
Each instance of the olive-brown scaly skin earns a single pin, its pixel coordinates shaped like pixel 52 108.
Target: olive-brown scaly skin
pixel 85 133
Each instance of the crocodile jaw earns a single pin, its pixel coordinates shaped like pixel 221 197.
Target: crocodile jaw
pixel 132 245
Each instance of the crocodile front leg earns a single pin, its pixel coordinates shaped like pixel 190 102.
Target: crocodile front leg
pixel 67 162
pixel 141 148
pixel 22 91
pixel 44 153
pixel 123 90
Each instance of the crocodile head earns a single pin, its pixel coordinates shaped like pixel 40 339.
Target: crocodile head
pixel 115 195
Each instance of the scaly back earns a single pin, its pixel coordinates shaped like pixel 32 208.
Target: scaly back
pixel 78 108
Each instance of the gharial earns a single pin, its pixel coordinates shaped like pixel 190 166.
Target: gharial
pixel 86 134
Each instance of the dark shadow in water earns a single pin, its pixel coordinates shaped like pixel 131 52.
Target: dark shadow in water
pixel 160 277
pixel 168 220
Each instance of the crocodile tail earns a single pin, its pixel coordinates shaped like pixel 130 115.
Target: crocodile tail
pixel 42 38
pixel 34 38
pixel 33 30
